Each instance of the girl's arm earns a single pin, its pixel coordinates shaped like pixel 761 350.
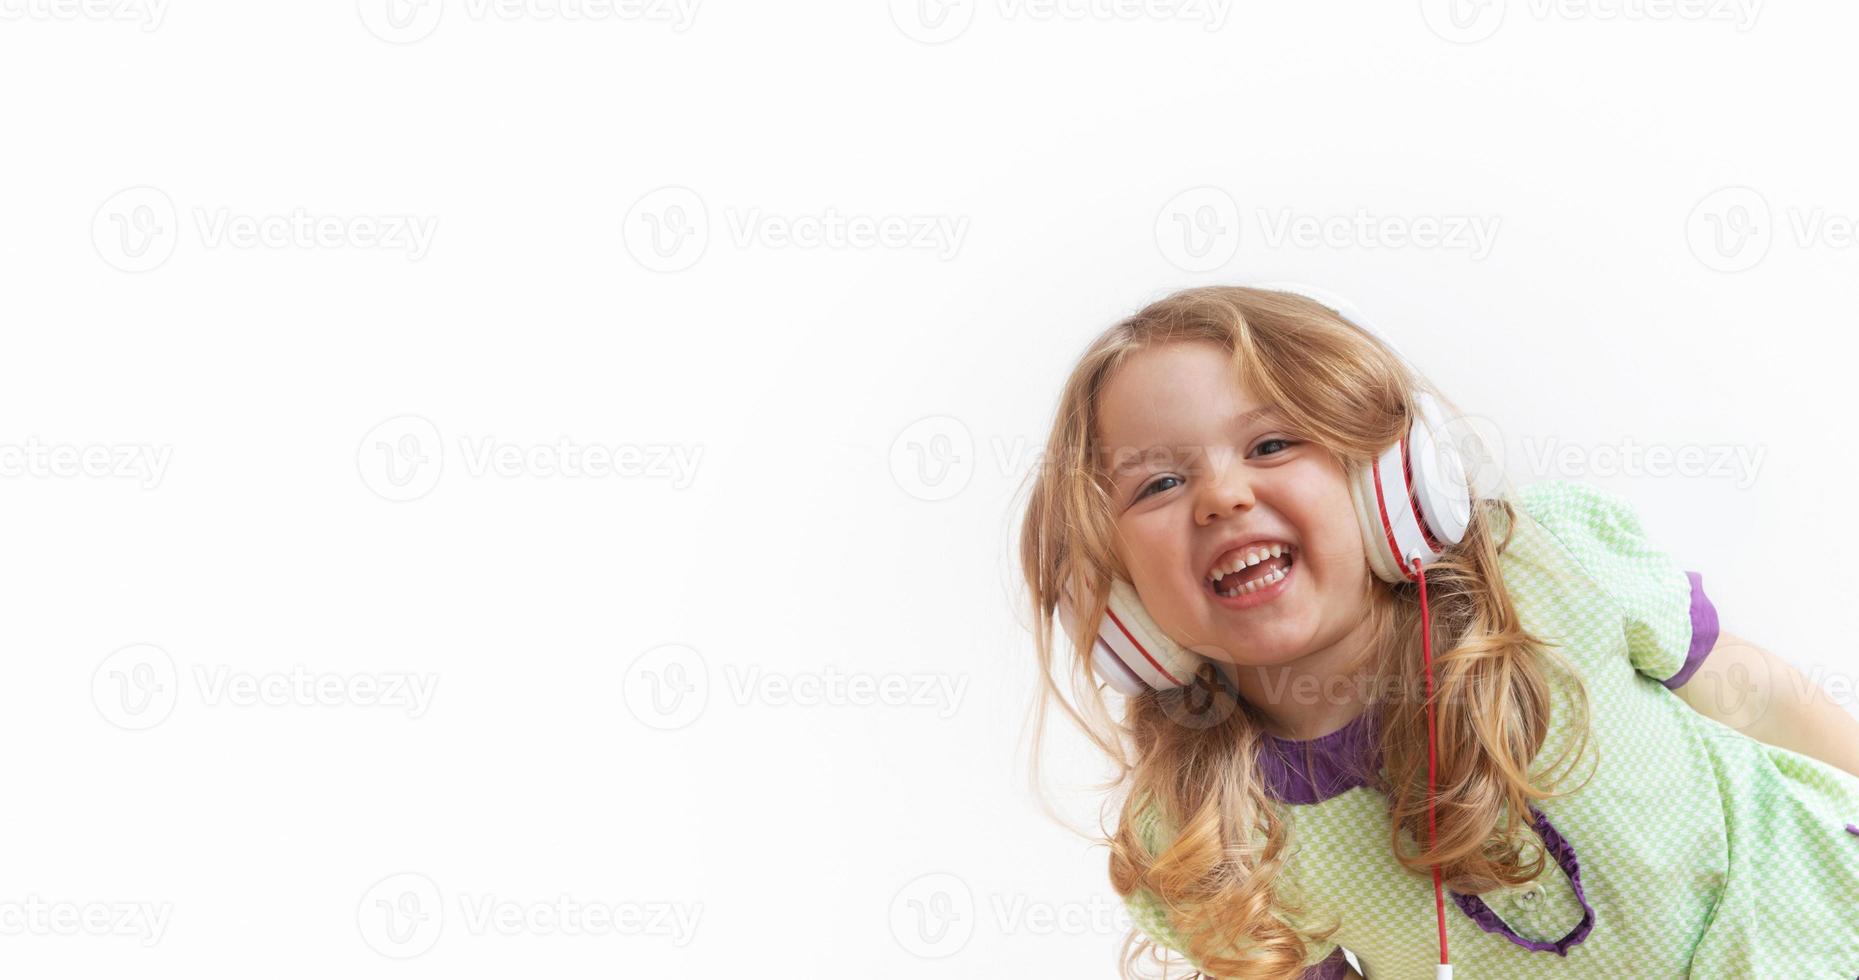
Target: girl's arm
pixel 1765 697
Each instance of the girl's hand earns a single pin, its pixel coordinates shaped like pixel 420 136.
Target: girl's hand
pixel 1765 697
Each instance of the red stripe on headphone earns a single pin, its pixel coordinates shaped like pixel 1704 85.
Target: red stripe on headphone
pixel 1139 647
pixel 1407 473
pixel 1381 503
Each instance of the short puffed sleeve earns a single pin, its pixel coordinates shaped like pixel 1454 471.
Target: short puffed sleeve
pixel 1669 623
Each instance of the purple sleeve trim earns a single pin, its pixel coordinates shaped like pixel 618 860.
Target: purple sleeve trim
pixel 1564 853
pixel 1334 968
pixel 1703 632
pixel 1853 829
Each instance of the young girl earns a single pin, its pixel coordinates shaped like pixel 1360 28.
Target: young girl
pixel 1214 497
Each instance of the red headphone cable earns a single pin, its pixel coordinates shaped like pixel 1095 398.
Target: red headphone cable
pixel 1426 646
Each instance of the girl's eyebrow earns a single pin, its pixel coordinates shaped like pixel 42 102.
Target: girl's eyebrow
pixel 1145 463
pixel 1252 413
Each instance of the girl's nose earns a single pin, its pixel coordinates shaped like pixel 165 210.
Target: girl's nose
pixel 1228 489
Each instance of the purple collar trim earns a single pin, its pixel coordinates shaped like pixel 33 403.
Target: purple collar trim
pixel 1316 769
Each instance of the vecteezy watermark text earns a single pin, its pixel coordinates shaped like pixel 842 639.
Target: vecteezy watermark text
pixel 407 21
pixel 1471 21
pixel 140 228
pixel 669 230
pixel 147 14
pixel 403 915
pixel 138 687
pixel 936 21
pixel 1201 230
pixel 146 922
pixel 933 916
pixel 1553 458
pixel 668 687
pixel 220 684
pixel 403 458
pixel 409 234
pixel 34 459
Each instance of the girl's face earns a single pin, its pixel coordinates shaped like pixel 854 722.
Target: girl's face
pixel 1196 475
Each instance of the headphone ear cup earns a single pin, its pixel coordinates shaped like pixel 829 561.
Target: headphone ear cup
pixel 1381 557
pixel 1136 642
pixel 1130 652
pixel 1104 660
pixel 1415 505
pixel 1441 484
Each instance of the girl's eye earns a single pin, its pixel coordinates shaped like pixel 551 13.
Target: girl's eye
pixel 1153 484
pixel 1282 442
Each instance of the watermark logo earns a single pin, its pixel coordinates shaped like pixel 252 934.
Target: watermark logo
pixel 401 916
pixel 136 687
pixel 669 230
pixel 407 21
pixel 933 916
pixel 401 459
pixel 1730 230
pixel 1474 444
pixel 1741 685
pixel 1463 21
pixel 400 21
pixel 136 229
pixel 1198 229
pixel 933 458
pixel 932 21
pixel 1742 692
pixel 667 687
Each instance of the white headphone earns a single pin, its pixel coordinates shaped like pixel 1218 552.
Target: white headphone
pixel 1415 502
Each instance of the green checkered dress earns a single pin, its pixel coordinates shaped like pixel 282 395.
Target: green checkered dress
pixel 1694 850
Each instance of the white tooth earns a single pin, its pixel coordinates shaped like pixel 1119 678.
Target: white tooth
pixel 1271 578
pixel 1247 560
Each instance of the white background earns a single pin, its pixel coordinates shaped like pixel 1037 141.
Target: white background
pixel 858 415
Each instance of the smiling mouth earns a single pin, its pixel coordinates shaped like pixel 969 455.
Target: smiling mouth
pixel 1252 578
